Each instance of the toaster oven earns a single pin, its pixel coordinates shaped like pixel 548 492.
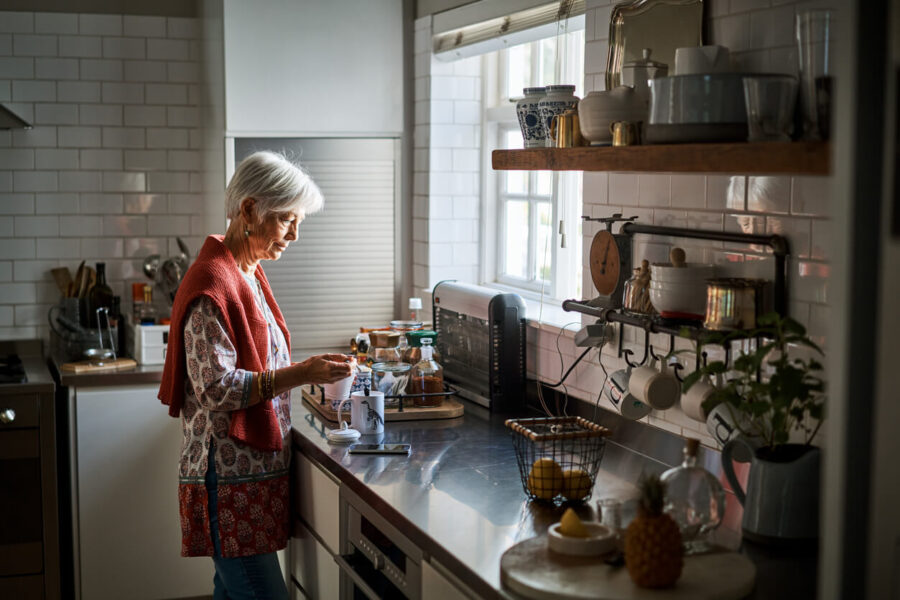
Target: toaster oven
pixel 481 339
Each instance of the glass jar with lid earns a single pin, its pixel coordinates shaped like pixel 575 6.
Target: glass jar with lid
pixel 383 347
pixel 427 378
pixel 403 328
pixel 636 294
pixel 391 379
pixel 413 352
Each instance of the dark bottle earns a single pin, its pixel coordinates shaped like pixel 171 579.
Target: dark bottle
pixel 100 296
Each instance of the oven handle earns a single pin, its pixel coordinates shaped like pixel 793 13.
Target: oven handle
pixel 345 566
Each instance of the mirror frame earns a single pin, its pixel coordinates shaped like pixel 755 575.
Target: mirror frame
pixel 616 55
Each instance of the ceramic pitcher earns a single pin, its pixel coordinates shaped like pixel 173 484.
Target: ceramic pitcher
pixel 781 502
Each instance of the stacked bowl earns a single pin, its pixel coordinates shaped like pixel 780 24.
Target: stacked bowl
pixel 680 292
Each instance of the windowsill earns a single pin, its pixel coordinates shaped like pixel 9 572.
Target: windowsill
pixel 546 314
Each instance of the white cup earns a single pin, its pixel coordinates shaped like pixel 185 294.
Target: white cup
pixel 659 389
pixel 701 60
pixel 339 390
pixel 692 400
pixel 366 412
pixel 616 391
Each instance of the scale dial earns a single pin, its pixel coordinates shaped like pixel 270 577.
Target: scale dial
pixel 605 263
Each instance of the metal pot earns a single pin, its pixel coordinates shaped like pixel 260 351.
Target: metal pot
pixel 734 303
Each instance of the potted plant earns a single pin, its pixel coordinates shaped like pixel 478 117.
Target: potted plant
pixel 776 401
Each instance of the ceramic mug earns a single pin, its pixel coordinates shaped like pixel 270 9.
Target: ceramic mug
pixel 722 426
pixel 366 412
pixel 692 401
pixel 616 391
pixel 625 133
pixel 658 388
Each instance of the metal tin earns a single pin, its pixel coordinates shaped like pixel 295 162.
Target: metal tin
pixel 734 303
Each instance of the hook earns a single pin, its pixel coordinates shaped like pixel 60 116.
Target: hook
pixel 676 365
pixel 627 352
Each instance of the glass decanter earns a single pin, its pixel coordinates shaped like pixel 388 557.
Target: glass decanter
pixel 427 378
pixel 695 499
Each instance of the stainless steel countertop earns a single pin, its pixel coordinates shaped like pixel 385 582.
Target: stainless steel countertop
pixel 459 497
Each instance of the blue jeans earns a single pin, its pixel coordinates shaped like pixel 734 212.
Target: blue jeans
pixel 256 577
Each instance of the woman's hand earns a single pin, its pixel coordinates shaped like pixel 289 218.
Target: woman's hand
pixel 324 368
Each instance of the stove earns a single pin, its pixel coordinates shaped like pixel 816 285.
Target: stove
pixel 12 370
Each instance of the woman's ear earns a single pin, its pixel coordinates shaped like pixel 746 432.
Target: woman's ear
pixel 248 210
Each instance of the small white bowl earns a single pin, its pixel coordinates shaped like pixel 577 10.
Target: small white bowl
pixel 689 272
pixel 601 539
pixel 687 298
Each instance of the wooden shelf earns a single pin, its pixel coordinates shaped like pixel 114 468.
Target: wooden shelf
pixel 759 158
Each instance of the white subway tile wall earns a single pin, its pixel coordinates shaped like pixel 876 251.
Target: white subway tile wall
pixel 447 178
pixel 109 161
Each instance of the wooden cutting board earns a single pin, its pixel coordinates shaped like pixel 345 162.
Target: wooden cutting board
pixel 450 408
pixel 86 366
pixel 529 568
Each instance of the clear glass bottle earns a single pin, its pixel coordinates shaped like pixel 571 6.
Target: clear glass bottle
pixel 636 294
pixel 694 498
pixel 427 378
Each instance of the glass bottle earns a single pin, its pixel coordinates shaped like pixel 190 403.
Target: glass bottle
pixel 636 294
pixel 694 498
pixel 100 296
pixel 427 378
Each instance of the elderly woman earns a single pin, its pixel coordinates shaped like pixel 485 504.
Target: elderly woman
pixel 229 375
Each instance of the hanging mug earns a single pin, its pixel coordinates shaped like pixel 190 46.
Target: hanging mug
pixel 658 388
pixel 616 391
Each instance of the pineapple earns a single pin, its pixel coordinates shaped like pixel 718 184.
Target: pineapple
pixel 653 551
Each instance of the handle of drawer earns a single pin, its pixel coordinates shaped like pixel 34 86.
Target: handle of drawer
pixel 7 415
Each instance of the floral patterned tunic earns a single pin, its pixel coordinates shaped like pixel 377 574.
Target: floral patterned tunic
pixel 253 485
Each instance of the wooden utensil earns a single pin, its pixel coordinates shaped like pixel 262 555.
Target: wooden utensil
pixel 677 257
pixel 63 279
pixel 76 283
pixel 87 282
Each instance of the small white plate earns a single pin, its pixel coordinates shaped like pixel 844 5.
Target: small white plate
pixel 601 539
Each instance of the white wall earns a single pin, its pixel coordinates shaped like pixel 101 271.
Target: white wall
pixel 111 170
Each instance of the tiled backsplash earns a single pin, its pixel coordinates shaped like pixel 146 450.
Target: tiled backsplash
pixel 112 170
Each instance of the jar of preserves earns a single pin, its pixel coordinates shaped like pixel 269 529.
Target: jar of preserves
pixel 427 378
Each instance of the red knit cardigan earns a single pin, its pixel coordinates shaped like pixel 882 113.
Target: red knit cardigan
pixel 215 274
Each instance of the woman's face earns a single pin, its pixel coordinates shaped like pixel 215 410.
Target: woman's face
pixel 270 238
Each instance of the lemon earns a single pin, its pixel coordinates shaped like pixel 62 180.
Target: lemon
pixel 570 525
pixel 546 478
pixel 576 484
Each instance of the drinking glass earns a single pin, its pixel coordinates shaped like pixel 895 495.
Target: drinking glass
pixel 814 41
pixel 770 107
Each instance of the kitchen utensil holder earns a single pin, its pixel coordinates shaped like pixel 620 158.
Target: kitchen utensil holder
pixel 573 443
pixel 654 324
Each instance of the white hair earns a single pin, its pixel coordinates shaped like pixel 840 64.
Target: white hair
pixel 277 185
pixel 763 194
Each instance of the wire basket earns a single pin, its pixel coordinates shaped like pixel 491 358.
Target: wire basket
pixel 558 457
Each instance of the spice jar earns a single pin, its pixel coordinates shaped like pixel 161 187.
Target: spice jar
pixel 636 296
pixel 383 347
pixel 427 378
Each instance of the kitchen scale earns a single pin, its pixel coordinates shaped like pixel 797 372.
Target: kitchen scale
pixel 610 261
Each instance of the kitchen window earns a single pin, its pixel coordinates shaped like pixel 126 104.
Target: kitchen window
pixel 523 236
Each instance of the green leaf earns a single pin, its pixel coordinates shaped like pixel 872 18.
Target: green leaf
pixel 691 379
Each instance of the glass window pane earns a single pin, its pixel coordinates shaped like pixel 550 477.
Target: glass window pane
pixel 544 233
pixel 547 64
pixel 544 182
pixel 517 238
pixel 517 182
pixel 518 70
pixel 513 139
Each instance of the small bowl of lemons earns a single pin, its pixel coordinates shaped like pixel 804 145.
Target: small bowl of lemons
pixel 575 537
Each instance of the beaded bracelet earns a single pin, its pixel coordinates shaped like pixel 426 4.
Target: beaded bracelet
pixel 267 385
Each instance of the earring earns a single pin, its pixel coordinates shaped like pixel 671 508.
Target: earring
pixel 246 233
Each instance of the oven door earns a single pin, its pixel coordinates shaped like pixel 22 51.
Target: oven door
pixel 377 562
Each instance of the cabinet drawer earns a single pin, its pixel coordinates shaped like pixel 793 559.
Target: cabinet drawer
pixel 316 500
pixel 25 407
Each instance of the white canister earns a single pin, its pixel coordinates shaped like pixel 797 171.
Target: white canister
pixel 534 135
pixel 558 100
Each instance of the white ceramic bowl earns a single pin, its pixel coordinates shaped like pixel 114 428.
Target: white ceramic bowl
pixel 687 298
pixel 689 272
pixel 601 539
pixel 598 109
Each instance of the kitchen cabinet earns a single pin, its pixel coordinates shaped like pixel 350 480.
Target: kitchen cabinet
pixel 127 536
pixel 29 539
pixel 795 158
pixel 316 531
pixel 314 68
pixel 437 586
